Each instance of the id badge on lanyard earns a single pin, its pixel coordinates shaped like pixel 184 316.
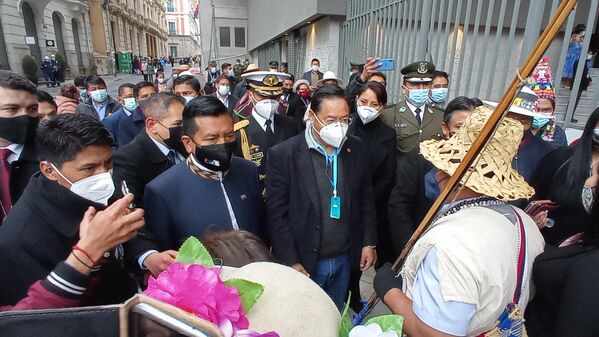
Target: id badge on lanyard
pixel 335 210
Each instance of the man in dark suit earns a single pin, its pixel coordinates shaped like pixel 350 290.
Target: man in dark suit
pixel 408 202
pixel 156 149
pixel 314 74
pixel 264 127
pixel 18 121
pixel 288 95
pixel 130 126
pixel 223 93
pixel 212 190
pixel 320 209
pixel 128 105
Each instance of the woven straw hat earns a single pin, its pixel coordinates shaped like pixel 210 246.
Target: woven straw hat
pixel 492 173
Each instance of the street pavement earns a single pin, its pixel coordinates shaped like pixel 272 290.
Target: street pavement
pixel 112 82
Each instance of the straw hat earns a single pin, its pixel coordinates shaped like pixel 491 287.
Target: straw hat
pixel 329 76
pixel 292 304
pixel 492 173
pixel 250 68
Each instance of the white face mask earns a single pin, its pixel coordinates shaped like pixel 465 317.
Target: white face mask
pixel 367 114
pixel 266 108
pixel 315 68
pixel 333 134
pixel 224 90
pixel 97 188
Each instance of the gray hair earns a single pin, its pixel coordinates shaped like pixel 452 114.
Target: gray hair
pixel 157 105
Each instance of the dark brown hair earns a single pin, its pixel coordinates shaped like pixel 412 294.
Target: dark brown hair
pixel 237 248
pixel 69 91
pixel 379 91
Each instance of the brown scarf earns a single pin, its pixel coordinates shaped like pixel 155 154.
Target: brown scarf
pixel 202 172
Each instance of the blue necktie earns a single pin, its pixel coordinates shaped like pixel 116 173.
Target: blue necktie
pixel 171 156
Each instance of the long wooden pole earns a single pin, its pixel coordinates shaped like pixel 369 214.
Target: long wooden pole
pixel 524 71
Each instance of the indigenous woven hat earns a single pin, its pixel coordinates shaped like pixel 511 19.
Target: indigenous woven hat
pixel 492 173
pixel 292 304
pixel 329 76
pixel 417 72
pixel 525 104
pixel 266 83
pixel 543 83
pixel 298 83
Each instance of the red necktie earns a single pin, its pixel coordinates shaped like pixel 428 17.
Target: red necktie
pixel 5 181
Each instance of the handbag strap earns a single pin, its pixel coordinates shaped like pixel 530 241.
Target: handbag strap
pixel 521 259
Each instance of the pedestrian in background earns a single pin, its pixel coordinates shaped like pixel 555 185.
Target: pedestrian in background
pixel 46 105
pixel 68 99
pixel 314 74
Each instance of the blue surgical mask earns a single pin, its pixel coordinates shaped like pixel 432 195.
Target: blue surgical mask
pixel 438 95
pixel 418 97
pixel 188 99
pixel 231 73
pixel 83 93
pixel 538 122
pixel 130 103
pixel 596 136
pixel 99 95
pixel 213 70
pixel 431 186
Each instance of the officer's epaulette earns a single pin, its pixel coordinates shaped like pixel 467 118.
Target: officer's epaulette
pixel 390 105
pixel 240 125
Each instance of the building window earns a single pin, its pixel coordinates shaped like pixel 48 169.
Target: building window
pixel 225 36
pixel 170 6
pixel 173 50
pixel 172 28
pixel 240 37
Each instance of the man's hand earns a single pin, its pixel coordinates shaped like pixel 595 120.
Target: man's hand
pixel 385 280
pixel 540 219
pixel 100 231
pixel 368 258
pixel 158 262
pixel 370 66
pixel 300 268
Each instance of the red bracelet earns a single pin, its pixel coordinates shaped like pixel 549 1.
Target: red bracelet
pixel 75 247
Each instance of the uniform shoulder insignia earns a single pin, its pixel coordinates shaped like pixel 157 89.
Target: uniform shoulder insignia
pixel 402 109
pixel 390 105
pixel 240 125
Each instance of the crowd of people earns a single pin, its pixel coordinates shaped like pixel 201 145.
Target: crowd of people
pixel 333 178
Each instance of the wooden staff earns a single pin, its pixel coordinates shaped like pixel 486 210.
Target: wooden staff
pixel 486 133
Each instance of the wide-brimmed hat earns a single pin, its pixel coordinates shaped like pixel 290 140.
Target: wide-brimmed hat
pixel 329 76
pixel 298 83
pixel 524 104
pixel 251 68
pixel 492 173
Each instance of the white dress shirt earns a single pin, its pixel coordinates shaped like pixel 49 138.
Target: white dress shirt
pixel 413 109
pixel 262 121
pixel 165 150
pixel 16 150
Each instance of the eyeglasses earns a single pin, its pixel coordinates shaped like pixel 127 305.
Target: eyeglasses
pixel 347 120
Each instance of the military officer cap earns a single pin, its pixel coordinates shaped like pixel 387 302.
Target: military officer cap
pixel 418 72
pixel 356 64
pixel 266 83
pixel 273 64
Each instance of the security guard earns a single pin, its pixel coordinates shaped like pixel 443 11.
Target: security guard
pixel 264 127
pixel 413 118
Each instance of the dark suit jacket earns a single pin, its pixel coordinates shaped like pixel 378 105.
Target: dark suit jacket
pixel 231 103
pixel 297 109
pixel 87 108
pixel 22 169
pixel 566 301
pixel 138 163
pixel 308 76
pixel 293 211
pixel 112 123
pixel 407 203
pixel 130 127
pixel 379 139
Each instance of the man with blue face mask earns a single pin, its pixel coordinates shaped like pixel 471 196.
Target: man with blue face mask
pixel 99 104
pixel 128 105
pixel 439 88
pixel 413 118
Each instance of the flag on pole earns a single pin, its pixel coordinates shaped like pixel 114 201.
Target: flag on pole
pixel 196 11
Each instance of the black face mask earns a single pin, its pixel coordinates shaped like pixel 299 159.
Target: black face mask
pixel 286 91
pixel 215 157
pixel 174 139
pixel 18 129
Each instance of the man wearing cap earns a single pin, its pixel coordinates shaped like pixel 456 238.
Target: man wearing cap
pixel 355 69
pixel 413 118
pixel 474 263
pixel 273 66
pixel 264 127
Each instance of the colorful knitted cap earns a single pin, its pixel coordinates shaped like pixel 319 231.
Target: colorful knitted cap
pixel 543 83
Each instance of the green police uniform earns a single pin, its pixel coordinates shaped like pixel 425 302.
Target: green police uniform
pixel 409 133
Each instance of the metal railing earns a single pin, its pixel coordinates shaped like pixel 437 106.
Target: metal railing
pixel 479 43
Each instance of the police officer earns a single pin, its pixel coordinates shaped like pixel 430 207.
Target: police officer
pixel 413 118
pixel 264 127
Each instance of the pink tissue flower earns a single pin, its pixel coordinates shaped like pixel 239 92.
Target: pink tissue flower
pixel 199 290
